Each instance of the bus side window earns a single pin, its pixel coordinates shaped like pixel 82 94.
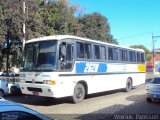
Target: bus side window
pixel 88 52
pixel 132 56
pixel 115 54
pixel 110 53
pixel 138 57
pixel 96 52
pixel 142 58
pixel 123 55
pixel 80 50
pixel 66 56
pixel 102 52
pixel 69 56
pixel 62 53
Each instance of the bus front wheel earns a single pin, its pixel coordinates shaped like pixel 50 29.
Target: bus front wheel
pixel 128 85
pixel 79 93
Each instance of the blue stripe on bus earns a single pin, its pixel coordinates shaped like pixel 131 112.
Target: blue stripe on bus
pixel 87 67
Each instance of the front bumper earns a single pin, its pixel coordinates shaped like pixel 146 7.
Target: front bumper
pixel 153 95
pixel 38 89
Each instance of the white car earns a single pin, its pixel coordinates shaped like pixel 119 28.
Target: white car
pixel 14 111
pixel 3 87
pixel 153 89
pixel 1 73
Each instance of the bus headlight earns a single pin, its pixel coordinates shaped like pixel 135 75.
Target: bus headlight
pixel 49 82
pixel 45 81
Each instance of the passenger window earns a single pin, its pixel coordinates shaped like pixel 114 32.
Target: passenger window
pixel 132 56
pixel 102 52
pixel 96 52
pixel 123 55
pixel 88 52
pixel 138 57
pixel 115 54
pixel 80 50
pixel 110 53
pixel 142 58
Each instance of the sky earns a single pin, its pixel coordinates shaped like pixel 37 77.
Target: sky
pixel 132 22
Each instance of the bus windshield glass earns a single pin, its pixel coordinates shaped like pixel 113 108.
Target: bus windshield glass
pixel 40 56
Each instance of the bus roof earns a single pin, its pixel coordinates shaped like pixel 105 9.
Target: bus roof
pixel 61 37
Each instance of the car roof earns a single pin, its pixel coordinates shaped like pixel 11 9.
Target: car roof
pixel 10 105
pixel 4 102
pixel 6 106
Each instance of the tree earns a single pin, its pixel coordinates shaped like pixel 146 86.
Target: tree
pixel 58 17
pixel 147 52
pixel 41 18
pixel 96 26
pixel 44 18
pixel 11 20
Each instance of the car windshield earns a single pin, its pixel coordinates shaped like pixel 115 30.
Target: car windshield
pixel 40 56
pixel 156 80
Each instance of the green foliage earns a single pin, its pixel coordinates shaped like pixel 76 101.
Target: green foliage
pixel 11 20
pixel 141 47
pixel 95 26
pixel 147 56
pixel 56 17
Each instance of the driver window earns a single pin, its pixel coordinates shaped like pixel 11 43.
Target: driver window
pixel 62 52
pixel 66 56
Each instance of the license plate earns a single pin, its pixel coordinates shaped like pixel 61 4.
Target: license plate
pixel 35 93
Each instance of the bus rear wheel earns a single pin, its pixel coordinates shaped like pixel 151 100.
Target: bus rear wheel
pixel 128 85
pixel 79 93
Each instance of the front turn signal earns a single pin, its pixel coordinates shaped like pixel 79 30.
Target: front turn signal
pixel 52 82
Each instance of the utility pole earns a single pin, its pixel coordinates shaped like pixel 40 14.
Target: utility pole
pixel 24 25
pixel 7 51
pixel 153 41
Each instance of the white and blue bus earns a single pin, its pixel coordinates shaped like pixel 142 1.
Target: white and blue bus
pixel 63 65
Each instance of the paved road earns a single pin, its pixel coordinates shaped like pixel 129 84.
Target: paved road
pixel 97 106
pixel 107 105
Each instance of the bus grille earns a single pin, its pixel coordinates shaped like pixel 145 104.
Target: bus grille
pixel 34 89
pixel 35 82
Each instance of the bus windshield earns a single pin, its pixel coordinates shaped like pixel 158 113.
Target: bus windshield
pixel 40 56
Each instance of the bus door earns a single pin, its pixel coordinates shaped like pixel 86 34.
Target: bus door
pixel 66 56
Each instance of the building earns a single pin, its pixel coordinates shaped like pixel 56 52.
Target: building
pixel 149 64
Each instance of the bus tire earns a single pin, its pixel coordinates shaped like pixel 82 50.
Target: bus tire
pixel 79 93
pixel 128 85
pixel 1 93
